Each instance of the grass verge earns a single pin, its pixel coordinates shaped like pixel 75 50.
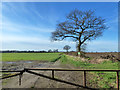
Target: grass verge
pixel 103 79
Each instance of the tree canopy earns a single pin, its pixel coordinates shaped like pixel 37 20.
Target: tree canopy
pixel 66 47
pixel 81 26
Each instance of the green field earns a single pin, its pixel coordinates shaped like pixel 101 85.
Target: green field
pixel 30 56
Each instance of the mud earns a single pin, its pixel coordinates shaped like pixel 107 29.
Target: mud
pixel 33 81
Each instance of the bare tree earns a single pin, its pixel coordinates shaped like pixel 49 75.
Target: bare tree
pixel 66 47
pixel 81 26
pixel 49 50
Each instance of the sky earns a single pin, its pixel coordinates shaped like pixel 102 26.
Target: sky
pixel 28 25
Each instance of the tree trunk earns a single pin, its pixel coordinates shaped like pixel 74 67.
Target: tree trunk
pixel 79 45
pixel 67 51
pixel 79 49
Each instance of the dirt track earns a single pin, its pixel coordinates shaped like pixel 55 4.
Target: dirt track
pixel 32 81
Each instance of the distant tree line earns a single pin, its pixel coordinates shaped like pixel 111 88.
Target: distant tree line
pixel 55 50
pixel 16 51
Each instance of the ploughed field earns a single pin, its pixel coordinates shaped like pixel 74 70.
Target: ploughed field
pixel 98 54
pixel 30 56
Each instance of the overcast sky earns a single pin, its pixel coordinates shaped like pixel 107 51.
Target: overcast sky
pixel 28 25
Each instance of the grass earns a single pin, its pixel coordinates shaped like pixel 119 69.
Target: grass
pixel 103 79
pixel 85 65
pixel 30 56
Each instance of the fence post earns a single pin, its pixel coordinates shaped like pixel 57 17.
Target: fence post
pixel 52 73
pixel 117 78
pixel 84 78
pixel 20 76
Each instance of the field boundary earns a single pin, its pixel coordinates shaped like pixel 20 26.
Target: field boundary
pixel 30 70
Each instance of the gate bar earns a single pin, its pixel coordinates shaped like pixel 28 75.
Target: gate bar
pixel 55 79
pixel 60 69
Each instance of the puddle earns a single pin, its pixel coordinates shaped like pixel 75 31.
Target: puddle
pixel 17 62
pixel 9 62
pixel 26 61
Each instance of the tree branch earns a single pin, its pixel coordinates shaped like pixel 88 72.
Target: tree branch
pixel 85 38
pixel 69 36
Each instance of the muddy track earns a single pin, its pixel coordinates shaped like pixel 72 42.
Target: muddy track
pixel 33 81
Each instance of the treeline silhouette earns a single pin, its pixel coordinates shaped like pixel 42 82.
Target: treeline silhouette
pixel 16 51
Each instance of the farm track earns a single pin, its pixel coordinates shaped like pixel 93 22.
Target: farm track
pixel 32 81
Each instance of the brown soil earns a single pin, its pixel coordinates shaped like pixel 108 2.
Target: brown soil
pixel 32 81
pixel 96 58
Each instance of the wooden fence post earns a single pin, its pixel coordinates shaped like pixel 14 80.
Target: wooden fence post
pixel 20 76
pixel 52 73
pixel 84 78
pixel 117 79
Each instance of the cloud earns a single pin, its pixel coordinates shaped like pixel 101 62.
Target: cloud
pixel 11 26
pixel 27 29
pixel 38 14
pixel 10 41
pixel 18 38
pixel 33 43
pixel 33 40
pixel 102 45
pixel 43 43
pixel 114 20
